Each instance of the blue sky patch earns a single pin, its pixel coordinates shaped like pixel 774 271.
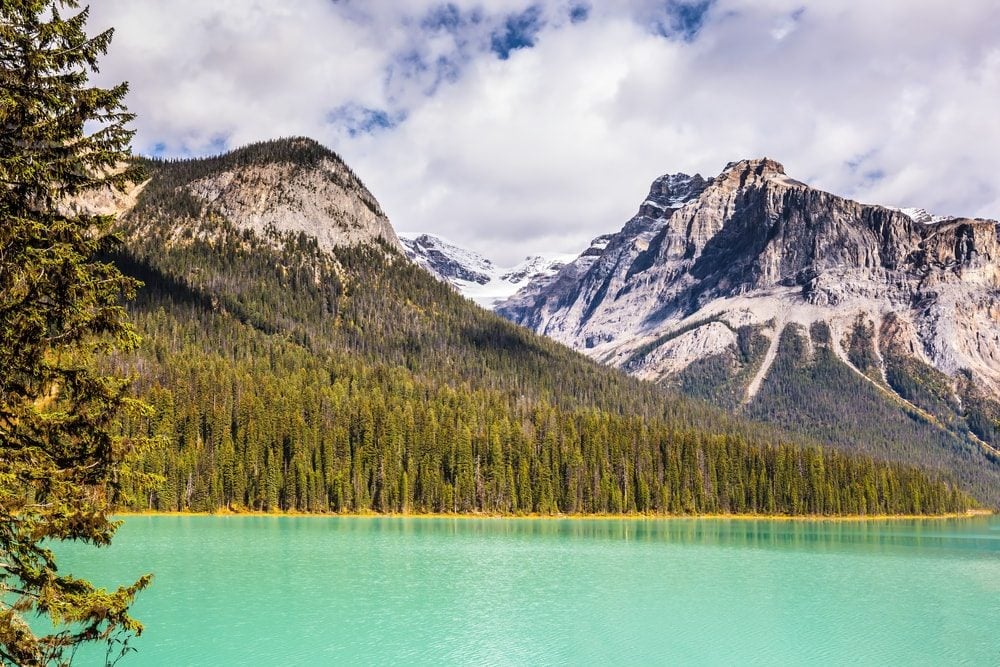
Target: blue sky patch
pixel 518 32
pixel 681 18
pixel 579 13
pixel 181 150
pixel 450 18
pixel 358 119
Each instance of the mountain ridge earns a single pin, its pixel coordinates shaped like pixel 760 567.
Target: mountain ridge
pixel 288 375
pixel 712 246
pixel 698 290
pixel 286 186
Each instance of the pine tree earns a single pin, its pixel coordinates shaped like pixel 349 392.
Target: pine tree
pixel 61 466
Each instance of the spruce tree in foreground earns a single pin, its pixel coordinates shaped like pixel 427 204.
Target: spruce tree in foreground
pixel 61 467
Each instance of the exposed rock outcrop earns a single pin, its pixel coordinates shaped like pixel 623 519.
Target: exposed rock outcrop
pixel 285 186
pixel 324 201
pixel 754 247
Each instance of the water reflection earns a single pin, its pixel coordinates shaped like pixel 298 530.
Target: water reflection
pixel 974 536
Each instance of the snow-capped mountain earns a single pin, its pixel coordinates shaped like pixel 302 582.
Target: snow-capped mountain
pixel 475 276
pixel 754 289
pixel 920 215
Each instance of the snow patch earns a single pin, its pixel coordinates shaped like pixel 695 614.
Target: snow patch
pixel 921 215
pixel 474 276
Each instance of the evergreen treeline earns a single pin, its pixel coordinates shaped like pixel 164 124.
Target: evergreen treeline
pixel 285 378
pixel 289 432
pixel 809 390
pixel 723 378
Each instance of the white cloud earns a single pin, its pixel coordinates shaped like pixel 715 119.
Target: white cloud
pixel 892 101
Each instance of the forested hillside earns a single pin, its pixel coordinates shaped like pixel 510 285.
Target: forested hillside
pixel 286 376
pixel 908 415
pixel 811 391
pixel 723 288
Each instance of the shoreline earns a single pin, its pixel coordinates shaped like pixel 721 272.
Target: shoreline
pixel 574 517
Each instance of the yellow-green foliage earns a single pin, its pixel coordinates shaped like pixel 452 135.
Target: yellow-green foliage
pixel 61 464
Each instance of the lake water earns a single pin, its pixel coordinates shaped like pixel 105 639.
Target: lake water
pixel 322 591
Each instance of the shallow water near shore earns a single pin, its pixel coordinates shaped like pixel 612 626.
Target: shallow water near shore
pixel 262 590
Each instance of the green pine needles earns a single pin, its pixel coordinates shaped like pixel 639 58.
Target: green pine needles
pixel 61 466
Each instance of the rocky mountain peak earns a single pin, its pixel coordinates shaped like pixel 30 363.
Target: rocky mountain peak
pixel 284 187
pixel 758 166
pixel 754 247
pixel 447 261
pixel 473 275
pixel 754 172
pixel 669 192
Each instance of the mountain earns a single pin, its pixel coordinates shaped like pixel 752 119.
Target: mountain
pixel 473 275
pixel 863 325
pixel 289 187
pixel 294 359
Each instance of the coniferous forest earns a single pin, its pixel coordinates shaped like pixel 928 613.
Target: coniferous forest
pixel 287 378
pixel 246 334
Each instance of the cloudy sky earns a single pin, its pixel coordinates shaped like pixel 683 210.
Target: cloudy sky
pixel 516 127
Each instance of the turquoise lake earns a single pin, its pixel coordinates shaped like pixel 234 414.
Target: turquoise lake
pixel 323 590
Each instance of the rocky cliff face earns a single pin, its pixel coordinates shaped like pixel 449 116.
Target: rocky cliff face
pixel 283 187
pixel 325 201
pixel 706 261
